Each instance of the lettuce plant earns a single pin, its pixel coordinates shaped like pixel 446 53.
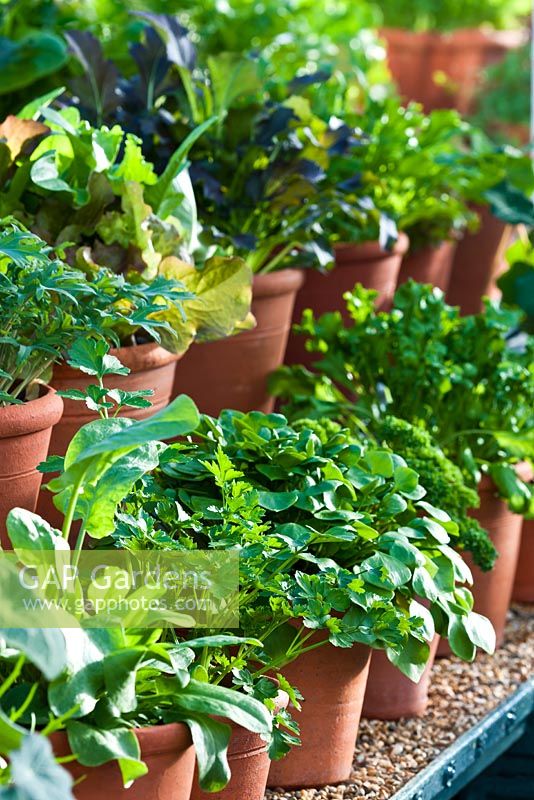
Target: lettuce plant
pixel 333 537
pixel 46 306
pixel 91 190
pixel 456 377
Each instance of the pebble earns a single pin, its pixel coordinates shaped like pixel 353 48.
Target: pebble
pixel 389 754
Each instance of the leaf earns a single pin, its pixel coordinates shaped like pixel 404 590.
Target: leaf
pixel 28 531
pixel 94 747
pixel 211 739
pixel 44 647
pixel 385 571
pixel 277 501
pixel 98 504
pixel 207 698
pixel 92 356
pixel 99 86
pixel 459 638
pixel 380 462
pixel 412 659
pixel 480 632
pixel 32 57
pixel 515 491
pixel 222 292
pixel 35 773
pixel 157 194
pixel 18 132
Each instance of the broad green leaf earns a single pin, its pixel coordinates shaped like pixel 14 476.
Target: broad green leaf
pixel 277 501
pixel 211 739
pixel 459 638
pixel 480 631
pixel 239 708
pixel 25 61
pixel 412 659
pixel 44 647
pixel 94 747
pixel 385 571
pixel 35 773
pixel 29 531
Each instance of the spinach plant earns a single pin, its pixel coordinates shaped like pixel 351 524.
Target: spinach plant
pixel 336 542
pixel 454 376
pixel 46 306
pixel 114 680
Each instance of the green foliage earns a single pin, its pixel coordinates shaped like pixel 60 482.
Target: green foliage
pixel 453 375
pixel 447 15
pixel 47 306
pixel 335 541
pixel 503 105
pixel 517 283
pixel 100 684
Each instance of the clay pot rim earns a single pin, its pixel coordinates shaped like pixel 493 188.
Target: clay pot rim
pixel 369 251
pixel 32 416
pixel 281 281
pixel 523 471
pixel 153 740
pixel 460 37
pixel 137 357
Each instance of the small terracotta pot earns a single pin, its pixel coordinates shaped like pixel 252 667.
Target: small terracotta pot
pixel 478 260
pixel 415 58
pixel 332 681
pixel 233 372
pixel 363 263
pixel 151 367
pixel 429 265
pixel 492 591
pixel 168 752
pixel 249 764
pixel 24 438
pixel 390 694
pixel 523 591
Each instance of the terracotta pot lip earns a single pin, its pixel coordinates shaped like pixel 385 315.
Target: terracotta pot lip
pixel 137 357
pixel 33 416
pixel 522 468
pixel 461 37
pixel 152 740
pixel 365 251
pixel 282 281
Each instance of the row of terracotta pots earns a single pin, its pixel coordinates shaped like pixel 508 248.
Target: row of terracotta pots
pixel 443 70
pixel 169 754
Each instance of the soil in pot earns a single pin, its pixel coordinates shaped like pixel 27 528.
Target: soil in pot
pixel 24 439
pixel 363 263
pixel 390 694
pixel 492 591
pixel 249 764
pixel 429 265
pixel 233 372
pixel 523 591
pixel 478 259
pixel 151 367
pixel 332 681
pixel 456 59
pixel 168 752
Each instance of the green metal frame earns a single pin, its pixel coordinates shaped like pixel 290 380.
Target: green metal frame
pixel 474 751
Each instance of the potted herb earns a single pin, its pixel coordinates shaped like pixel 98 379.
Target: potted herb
pixel 45 307
pixel 457 379
pixel 93 189
pixel 126 695
pixel 437 51
pixel 335 542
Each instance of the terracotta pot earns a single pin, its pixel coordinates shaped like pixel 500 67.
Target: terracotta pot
pixel 332 681
pixel 233 372
pixel 363 263
pixel 390 694
pixel 151 367
pixel 168 752
pixel 479 258
pixel 249 764
pixel 24 438
pixel 523 591
pixel 492 591
pixel 414 59
pixel 429 265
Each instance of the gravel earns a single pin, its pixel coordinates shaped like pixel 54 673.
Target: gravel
pixel 388 754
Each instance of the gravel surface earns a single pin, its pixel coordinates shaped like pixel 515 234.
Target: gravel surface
pixel 388 754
